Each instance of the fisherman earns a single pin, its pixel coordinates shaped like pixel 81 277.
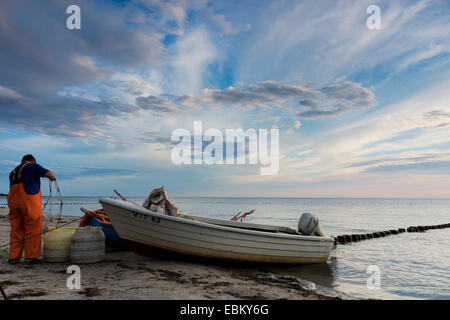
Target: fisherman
pixel 25 209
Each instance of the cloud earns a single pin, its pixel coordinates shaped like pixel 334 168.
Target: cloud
pixel 60 82
pixel 70 81
pixel 69 173
pixel 176 11
pixel 189 100
pixel 151 64
pixel 7 166
pixel 337 99
pixel 431 166
pixel 405 131
pixel 420 162
pixel 434 50
pixel 222 21
pixel 226 25
pixel 326 40
pixel 313 102
pixel 437 118
pixel 193 53
pixel 65 173
pixel 156 137
pixel 440 114
pixel 263 94
pixel 403 134
pixel 7 93
pixel 383 161
pixel 271 119
pixel 59 115
pixel 39 54
pixel 157 105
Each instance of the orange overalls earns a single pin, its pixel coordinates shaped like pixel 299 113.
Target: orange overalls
pixel 25 216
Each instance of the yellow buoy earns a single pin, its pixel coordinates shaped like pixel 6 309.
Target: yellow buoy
pixel 57 244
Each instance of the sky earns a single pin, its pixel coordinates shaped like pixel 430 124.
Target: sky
pixel 361 112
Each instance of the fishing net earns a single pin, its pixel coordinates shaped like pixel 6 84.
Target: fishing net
pixel 53 206
pixel 159 201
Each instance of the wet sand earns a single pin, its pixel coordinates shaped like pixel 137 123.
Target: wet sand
pixel 124 275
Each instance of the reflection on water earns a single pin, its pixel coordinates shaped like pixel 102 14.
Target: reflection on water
pixel 321 274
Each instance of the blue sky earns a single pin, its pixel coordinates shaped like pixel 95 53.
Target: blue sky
pixel 361 113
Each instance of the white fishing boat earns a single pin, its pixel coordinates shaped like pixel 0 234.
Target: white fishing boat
pixel 146 232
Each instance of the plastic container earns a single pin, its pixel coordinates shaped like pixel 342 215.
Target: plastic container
pixel 57 244
pixel 88 245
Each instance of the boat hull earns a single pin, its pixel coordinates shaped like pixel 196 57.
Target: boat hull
pixel 147 233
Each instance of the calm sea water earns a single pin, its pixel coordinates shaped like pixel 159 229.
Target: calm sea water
pixel 412 265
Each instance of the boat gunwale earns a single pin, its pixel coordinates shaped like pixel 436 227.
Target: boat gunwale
pixel 130 207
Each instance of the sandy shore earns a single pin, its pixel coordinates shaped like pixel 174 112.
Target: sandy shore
pixel 124 275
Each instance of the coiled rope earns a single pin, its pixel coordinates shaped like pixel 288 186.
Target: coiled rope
pixel 50 201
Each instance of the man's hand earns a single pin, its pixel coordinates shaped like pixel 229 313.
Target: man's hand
pixel 50 175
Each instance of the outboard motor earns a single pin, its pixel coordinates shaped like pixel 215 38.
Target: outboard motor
pixel 308 225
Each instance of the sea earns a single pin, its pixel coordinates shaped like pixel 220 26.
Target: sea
pixel 403 266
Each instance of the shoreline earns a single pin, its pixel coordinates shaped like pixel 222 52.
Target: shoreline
pixel 125 275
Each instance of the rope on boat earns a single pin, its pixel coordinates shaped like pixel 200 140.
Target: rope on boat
pixel 48 214
pixel 348 238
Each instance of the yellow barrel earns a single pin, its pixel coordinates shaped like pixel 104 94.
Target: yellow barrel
pixel 88 245
pixel 57 244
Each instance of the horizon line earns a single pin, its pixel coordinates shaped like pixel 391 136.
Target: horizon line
pixel 261 197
